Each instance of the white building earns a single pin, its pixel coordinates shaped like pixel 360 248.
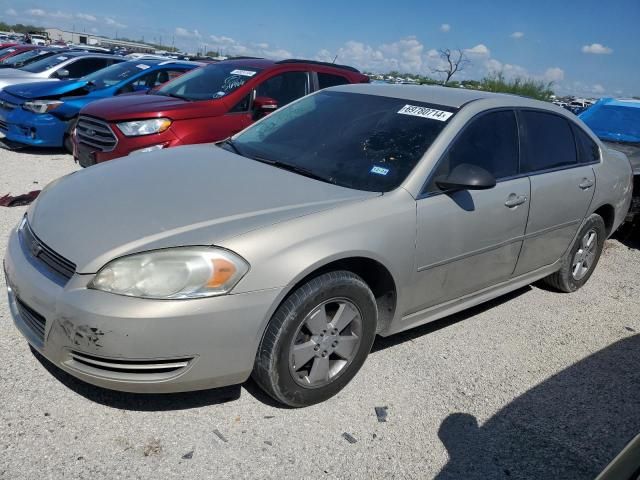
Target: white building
pixel 83 38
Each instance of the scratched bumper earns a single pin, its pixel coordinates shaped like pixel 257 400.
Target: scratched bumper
pixel 136 345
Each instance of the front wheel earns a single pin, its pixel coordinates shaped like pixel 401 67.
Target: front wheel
pixel 580 261
pixel 68 142
pixel 317 339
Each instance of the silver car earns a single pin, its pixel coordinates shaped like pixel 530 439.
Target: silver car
pixel 281 253
pixel 65 66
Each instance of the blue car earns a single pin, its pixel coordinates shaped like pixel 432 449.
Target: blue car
pixel 617 123
pixel 44 114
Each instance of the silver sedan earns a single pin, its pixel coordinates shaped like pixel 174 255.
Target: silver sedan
pixel 282 252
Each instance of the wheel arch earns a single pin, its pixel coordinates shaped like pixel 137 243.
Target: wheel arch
pixel 608 214
pixel 375 274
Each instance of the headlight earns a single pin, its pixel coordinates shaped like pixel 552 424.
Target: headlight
pixel 41 106
pixel 173 273
pixel 144 127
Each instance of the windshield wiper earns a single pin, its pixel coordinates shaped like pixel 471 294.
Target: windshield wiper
pixel 233 146
pixel 295 169
pixel 174 95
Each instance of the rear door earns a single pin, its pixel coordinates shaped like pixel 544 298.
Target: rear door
pixel 561 187
pixel 470 239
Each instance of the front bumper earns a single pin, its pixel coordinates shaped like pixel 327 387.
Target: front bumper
pixel 125 146
pixel 36 130
pixel 130 344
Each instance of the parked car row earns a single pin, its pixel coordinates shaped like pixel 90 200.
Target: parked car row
pixel 91 113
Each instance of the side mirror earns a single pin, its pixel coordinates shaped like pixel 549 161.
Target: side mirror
pixel 264 105
pixel 62 73
pixel 467 177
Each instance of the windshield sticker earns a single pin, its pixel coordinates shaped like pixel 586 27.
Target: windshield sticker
pixel 244 73
pixel 219 94
pixel 61 58
pixel 425 112
pixel 379 170
pixel 11 50
pixel 142 66
pixel 42 52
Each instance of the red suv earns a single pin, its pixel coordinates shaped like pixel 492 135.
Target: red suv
pixel 207 104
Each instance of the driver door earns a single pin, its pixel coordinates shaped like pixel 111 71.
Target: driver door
pixel 470 239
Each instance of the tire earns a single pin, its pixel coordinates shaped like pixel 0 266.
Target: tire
pixel 68 143
pixel 571 277
pixel 295 332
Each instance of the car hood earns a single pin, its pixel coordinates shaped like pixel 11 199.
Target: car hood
pixel 191 195
pixel 15 72
pixel 631 150
pixel 46 89
pixel 148 105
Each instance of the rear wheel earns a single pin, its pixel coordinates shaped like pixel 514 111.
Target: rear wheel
pixel 581 259
pixel 317 340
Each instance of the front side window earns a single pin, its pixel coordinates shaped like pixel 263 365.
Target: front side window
pixel 359 141
pixel 210 82
pixel 284 88
pixel 547 142
pixel 490 142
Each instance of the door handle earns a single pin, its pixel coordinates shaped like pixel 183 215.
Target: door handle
pixel 586 184
pixel 515 200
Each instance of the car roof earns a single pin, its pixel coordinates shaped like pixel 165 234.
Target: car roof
pixel 166 61
pixel 445 96
pixel 264 63
pixel 622 102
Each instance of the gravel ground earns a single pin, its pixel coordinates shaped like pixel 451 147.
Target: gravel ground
pixel 533 385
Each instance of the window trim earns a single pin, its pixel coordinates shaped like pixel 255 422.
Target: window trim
pixel 425 185
pixel 520 174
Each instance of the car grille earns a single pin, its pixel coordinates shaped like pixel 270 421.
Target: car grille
pixel 32 319
pixel 39 251
pixel 96 134
pixel 166 367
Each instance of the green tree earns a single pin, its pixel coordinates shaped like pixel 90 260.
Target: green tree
pixel 527 87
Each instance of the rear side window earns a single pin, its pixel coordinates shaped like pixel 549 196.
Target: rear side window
pixel 547 142
pixel 588 151
pixel 284 88
pixel 326 80
pixel 489 141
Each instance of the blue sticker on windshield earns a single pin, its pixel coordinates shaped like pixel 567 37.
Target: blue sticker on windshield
pixel 379 170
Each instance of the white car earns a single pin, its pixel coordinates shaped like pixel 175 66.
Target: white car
pixel 67 65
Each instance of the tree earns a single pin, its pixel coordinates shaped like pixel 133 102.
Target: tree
pixel 454 61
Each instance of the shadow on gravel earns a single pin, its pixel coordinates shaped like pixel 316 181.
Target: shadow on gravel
pixel 141 401
pixel 33 150
pixel 568 427
pixel 385 342
pixel 628 235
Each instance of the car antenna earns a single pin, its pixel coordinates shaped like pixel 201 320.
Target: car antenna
pixel 334 59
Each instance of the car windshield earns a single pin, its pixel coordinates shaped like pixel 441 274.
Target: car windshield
pixel 43 64
pixel 359 141
pixel 212 81
pixel 115 74
pixel 4 51
pixel 23 57
pixel 614 122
